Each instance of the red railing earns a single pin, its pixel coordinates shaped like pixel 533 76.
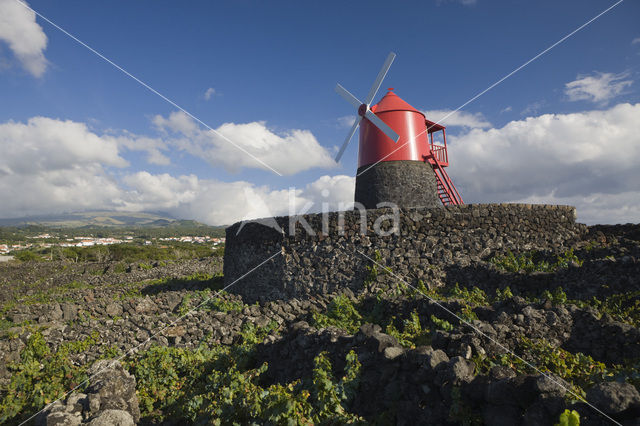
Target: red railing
pixel 447 191
pixel 439 159
pixel 440 154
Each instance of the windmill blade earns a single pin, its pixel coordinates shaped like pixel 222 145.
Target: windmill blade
pixel 382 126
pixel 349 136
pixel 348 96
pixel 379 78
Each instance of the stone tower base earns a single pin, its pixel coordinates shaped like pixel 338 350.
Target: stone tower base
pixel 405 183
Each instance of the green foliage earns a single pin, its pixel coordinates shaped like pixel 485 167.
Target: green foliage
pixel 27 256
pixel 483 364
pixel 418 291
pixel 330 397
pixel 41 376
pixel 55 294
pixel 136 253
pixel 185 304
pixel 505 294
pixel 467 313
pixel 475 296
pixel 412 333
pixel 204 282
pixel 120 268
pixel 201 281
pixel 569 418
pixel 441 324
pixel 130 293
pixel 524 262
pixel 223 305
pixel 5 325
pixel 558 297
pixel 341 313
pixel 373 271
pixel 214 385
pixel 527 262
pixel 469 299
pixel 400 289
pixel 349 383
pixel 111 352
pixel 252 334
pixel 580 371
pixel 623 307
pixel 421 288
pixel 592 244
pixel 568 257
pixel 74 285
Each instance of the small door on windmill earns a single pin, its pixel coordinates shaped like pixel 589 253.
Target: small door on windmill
pixel 406 121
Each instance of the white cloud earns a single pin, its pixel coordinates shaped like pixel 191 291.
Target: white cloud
pixel 458 118
pixel 334 191
pixel 587 159
pixel 346 121
pixel 219 203
pixel 243 200
pixel 51 166
pixel 247 201
pixel 597 208
pixel 23 35
pixel 152 146
pixel 209 93
pixel 287 152
pixel 44 144
pixel 163 191
pixel 532 108
pixel 636 40
pixel 57 191
pixel 599 87
pixel 177 122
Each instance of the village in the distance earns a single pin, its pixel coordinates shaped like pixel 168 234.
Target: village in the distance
pixel 40 242
pixel 44 242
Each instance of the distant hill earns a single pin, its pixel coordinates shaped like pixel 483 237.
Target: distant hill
pixel 101 219
pixel 105 223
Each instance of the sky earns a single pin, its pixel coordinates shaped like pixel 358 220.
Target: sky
pixel 224 111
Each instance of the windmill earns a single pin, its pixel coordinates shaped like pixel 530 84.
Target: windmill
pixel 399 161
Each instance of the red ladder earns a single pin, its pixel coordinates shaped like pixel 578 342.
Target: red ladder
pixel 447 191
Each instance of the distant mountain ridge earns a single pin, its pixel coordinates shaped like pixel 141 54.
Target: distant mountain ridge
pixel 99 219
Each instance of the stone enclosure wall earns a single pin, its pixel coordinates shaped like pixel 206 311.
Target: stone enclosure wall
pixel 301 264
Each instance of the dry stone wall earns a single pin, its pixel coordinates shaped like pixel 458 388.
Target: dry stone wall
pixel 328 252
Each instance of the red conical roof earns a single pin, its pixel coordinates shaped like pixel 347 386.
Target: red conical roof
pixel 392 102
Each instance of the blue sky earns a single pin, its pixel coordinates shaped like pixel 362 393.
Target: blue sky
pixel 95 138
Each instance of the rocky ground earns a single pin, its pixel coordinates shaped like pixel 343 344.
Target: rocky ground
pixel 510 340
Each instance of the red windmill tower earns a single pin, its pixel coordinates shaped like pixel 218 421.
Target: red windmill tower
pixel 400 158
